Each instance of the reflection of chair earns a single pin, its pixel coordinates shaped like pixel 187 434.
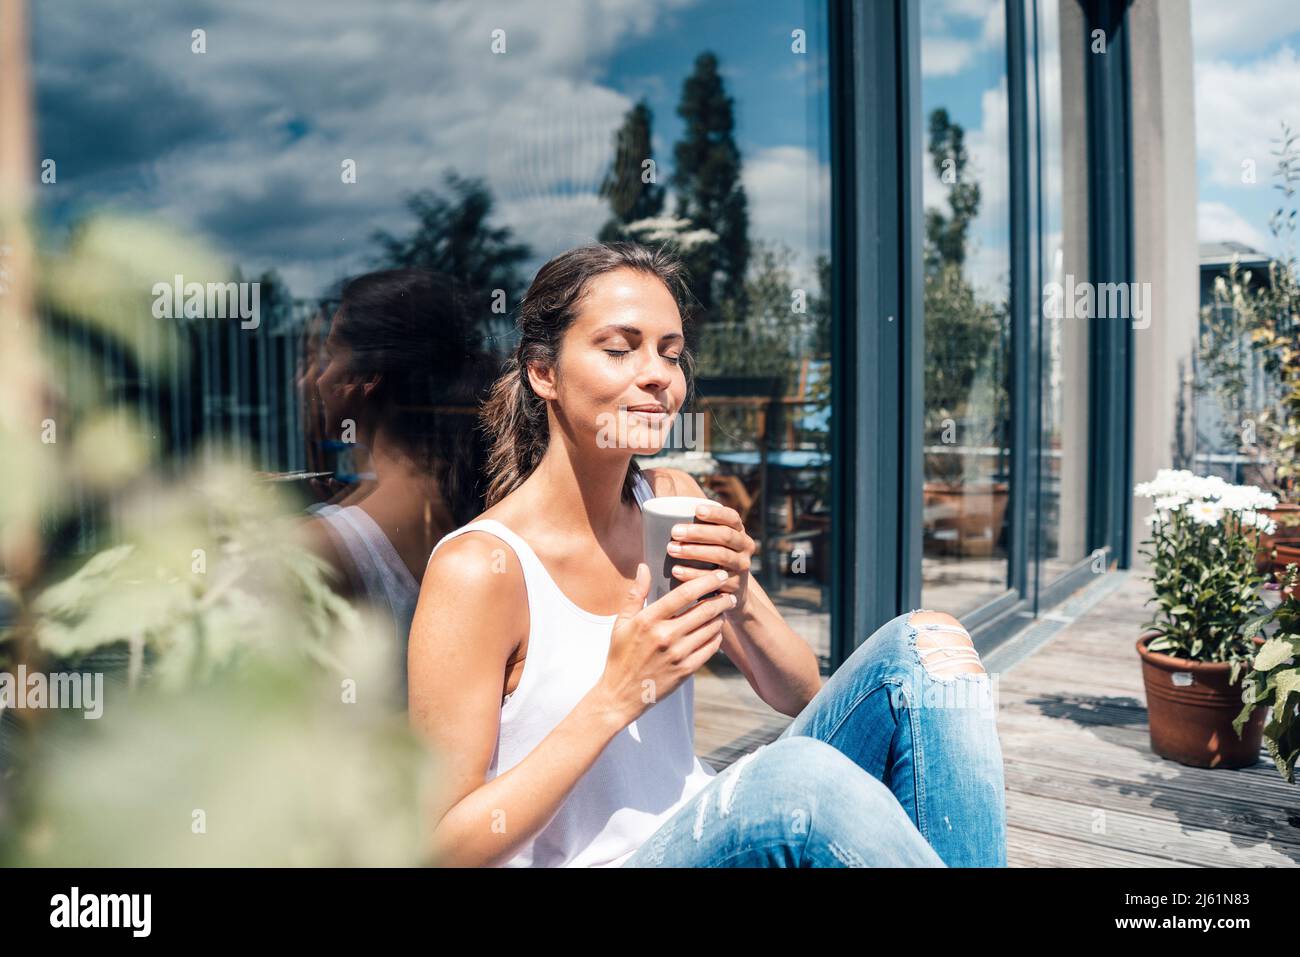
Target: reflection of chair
pixel 811 540
pixel 731 492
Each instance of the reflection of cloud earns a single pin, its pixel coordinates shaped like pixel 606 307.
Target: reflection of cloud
pixel 994 30
pixel 553 223
pixel 989 147
pixel 246 140
pixel 939 13
pixel 788 204
pixel 1242 26
pixel 1219 222
pixel 945 56
pixel 947 43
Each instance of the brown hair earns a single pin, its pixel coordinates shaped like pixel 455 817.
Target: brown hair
pixel 514 416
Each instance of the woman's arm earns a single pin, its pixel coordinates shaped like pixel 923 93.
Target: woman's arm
pixel 471 616
pixel 778 664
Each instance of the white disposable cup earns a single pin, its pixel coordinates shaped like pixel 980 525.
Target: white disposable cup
pixel 659 515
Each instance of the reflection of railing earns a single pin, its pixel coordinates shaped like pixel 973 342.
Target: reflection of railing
pixel 216 381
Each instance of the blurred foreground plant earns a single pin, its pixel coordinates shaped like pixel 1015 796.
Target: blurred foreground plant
pixel 1274 678
pixel 250 716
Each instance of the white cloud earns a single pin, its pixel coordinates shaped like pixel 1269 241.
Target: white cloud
pixel 1239 109
pixel 994 30
pixel 945 56
pixel 944 11
pixel 1219 222
pixel 1220 27
pixel 943 51
pixel 989 152
pixel 287 91
pixel 789 201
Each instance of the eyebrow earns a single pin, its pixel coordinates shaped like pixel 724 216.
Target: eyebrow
pixel 631 330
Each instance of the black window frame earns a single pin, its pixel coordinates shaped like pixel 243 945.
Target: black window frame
pixel 877 147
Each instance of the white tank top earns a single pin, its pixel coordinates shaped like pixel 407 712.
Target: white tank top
pixel 646 772
pixel 388 583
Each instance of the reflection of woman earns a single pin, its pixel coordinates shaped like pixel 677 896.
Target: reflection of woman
pixel 325 489
pixel 562 703
pixel 400 375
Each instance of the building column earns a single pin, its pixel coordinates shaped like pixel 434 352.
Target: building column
pixel 1165 258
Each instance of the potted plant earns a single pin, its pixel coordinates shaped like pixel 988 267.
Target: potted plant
pixel 1204 534
pixel 1274 678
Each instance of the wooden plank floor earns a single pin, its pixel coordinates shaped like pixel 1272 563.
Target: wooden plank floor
pixel 1084 788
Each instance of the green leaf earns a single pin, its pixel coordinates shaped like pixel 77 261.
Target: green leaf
pixel 1272 653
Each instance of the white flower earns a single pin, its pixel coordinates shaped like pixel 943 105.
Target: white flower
pixel 1246 497
pixel 1258 520
pixel 1206 513
pixel 1171 484
pixel 1170 502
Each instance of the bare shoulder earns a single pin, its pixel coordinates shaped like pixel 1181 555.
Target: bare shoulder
pixel 475 562
pixel 475 582
pixel 665 481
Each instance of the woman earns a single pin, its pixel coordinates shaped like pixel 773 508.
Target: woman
pixel 399 376
pixel 561 704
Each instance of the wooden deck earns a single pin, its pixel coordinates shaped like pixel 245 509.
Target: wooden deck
pixel 1083 786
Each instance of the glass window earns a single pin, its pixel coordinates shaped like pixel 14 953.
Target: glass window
pixel 304 144
pixel 1063 244
pixel 966 302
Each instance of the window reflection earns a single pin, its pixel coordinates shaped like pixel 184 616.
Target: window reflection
pixel 1063 252
pixel 966 295
pixel 446 159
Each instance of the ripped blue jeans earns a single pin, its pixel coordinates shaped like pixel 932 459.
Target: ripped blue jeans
pixel 894 763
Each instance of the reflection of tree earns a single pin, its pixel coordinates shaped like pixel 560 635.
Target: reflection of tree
pixel 453 236
pixel 708 189
pixel 631 198
pixel 964 379
pixel 781 325
pixel 946 233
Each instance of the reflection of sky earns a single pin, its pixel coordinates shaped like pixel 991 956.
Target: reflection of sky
pixel 244 143
pixel 1247 81
pixel 963 69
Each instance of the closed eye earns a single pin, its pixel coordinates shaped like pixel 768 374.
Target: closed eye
pixel 619 354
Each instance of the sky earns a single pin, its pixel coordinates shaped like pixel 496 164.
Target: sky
pixel 1247 66
pixel 243 144
pixel 963 70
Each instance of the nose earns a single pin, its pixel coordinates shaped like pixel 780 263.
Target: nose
pixel 655 372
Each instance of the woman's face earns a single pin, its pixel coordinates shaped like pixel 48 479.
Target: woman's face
pixel 334 383
pixel 620 379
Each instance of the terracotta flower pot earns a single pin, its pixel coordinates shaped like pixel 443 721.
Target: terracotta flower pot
pixel 1283 534
pixel 1287 553
pixel 1190 708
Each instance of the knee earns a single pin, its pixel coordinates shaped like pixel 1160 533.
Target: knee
pixel 944 645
